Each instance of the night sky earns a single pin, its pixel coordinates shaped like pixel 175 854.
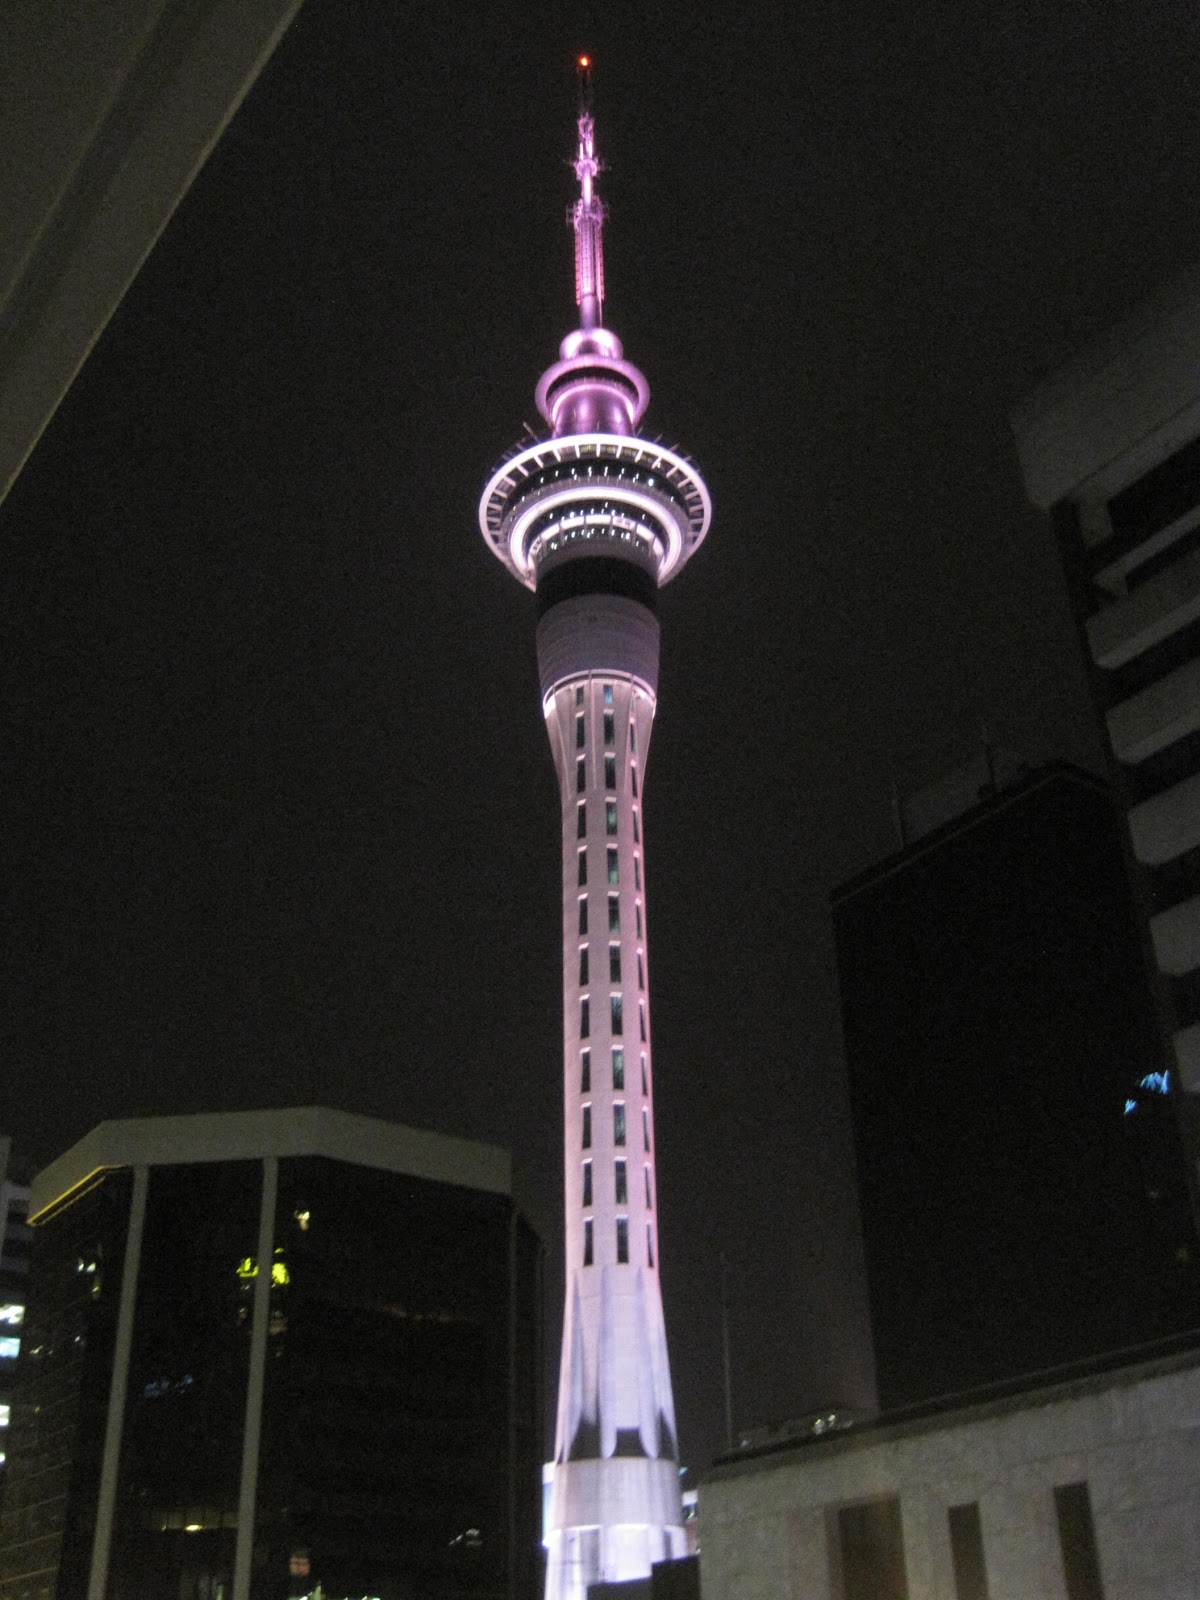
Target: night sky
pixel 280 817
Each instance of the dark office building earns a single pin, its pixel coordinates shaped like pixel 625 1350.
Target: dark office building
pixel 276 1354
pixel 1022 1187
pixel 14 1281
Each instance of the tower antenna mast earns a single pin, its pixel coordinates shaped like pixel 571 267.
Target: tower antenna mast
pixel 586 216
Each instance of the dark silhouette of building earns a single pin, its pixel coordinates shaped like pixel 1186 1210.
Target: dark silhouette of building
pixel 276 1354
pixel 14 1279
pixel 1022 1185
pixel 1110 448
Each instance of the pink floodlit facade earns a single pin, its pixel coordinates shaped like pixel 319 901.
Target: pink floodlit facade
pixel 594 519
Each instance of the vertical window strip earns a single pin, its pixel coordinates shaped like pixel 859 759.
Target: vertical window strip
pixel 637 874
pixel 620 1183
pixel 623 1240
pixel 579 730
pixel 614 914
pixel 641 972
pixel 649 1200
pixel 580 775
pixel 642 1019
pixel 610 819
pixel 581 821
pixel 578 694
pixel 585 1072
pixel 645 1084
pixel 618 1066
pixel 587 1183
pixel 637 912
pixel 619 1123
pixel 615 1009
pixel 636 836
pixel 585 1018
pixel 608 694
pixel 610 772
pixel 632 739
pixel 649 1245
pixel 583 963
pixel 587 1128
pixel 582 915
pixel 587 1243
pixel 609 730
pixel 614 963
pixel 633 779
pixel 645 1130
pixel 614 867
pixel 582 880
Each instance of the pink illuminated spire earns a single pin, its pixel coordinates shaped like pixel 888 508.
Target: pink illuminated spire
pixel 587 214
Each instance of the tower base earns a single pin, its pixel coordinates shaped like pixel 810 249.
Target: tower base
pixel 611 1520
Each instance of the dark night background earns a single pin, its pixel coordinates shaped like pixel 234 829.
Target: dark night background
pixel 280 817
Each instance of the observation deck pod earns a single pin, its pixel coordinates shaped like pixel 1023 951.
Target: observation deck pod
pixel 594 494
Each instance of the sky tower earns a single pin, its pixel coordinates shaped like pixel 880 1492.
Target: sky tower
pixel 594 519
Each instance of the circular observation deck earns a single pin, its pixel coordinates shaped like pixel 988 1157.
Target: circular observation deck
pixel 592 494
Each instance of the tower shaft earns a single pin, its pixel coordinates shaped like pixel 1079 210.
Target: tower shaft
pixel 615 1506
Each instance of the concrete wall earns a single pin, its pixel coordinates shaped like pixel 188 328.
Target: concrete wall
pixel 1134 1437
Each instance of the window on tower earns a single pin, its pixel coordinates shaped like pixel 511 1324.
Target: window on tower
pixel 618 1060
pixel 610 818
pixel 618 1124
pixel 608 694
pixel 637 873
pixel 587 1243
pixel 642 1019
pixel 585 1072
pixel 583 964
pixel 649 1245
pixel 645 1130
pixel 587 1183
pixel 632 740
pixel 614 871
pixel 637 913
pixel 633 781
pixel 580 775
pixel 582 916
pixel 614 914
pixel 579 731
pixel 578 694
pixel 645 1090
pixel 610 772
pixel 609 730
pixel 614 1006
pixel 581 825
pixel 586 1141
pixel 585 1019
pixel 582 868
pixel 649 1201
pixel 641 972
pixel 622 1239
pixel 622 1191
pixel 637 839
pixel 614 963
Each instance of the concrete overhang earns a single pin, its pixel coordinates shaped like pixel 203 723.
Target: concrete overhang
pixel 109 111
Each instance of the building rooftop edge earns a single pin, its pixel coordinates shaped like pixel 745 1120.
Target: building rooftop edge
pixel 252 1135
pixel 1007 794
pixel 959 1411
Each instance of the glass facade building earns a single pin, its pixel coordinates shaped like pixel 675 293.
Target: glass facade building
pixel 296 1372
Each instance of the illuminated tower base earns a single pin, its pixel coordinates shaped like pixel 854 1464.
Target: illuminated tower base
pixel 594 519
